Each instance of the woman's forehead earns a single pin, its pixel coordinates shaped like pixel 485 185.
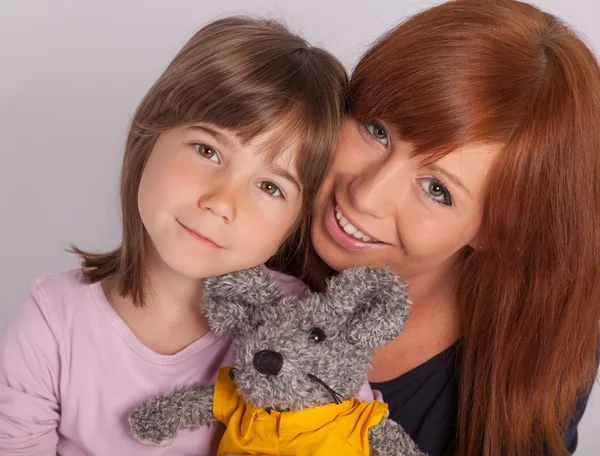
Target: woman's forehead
pixel 469 165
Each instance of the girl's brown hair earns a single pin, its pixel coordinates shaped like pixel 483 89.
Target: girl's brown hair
pixel 242 74
pixel 480 71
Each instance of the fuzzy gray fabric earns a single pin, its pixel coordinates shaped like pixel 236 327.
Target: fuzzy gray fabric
pixel 389 439
pixel 289 347
pixel 157 422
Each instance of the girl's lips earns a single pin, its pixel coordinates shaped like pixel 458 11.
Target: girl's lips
pixel 342 238
pixel 197 236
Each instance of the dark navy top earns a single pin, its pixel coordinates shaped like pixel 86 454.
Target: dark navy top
pixel 425 402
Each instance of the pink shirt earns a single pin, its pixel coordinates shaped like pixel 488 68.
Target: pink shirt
pixel 71 371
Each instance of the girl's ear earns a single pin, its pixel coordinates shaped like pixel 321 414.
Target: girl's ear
pixel 232 301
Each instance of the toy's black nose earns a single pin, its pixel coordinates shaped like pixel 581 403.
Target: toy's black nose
pixel 268 362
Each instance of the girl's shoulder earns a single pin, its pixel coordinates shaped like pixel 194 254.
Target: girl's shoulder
pixel 62 283
pixel 63 290
pixel 55 299
pixel 289 284
pixel 34 334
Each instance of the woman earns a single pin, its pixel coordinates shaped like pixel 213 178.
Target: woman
pixel 470 166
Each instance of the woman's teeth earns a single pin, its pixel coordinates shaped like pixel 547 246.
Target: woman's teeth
pixel 351 229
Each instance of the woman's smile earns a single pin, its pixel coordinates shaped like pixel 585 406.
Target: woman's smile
pixel 345 233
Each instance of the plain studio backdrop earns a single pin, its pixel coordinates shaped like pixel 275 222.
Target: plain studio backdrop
pixel 71 75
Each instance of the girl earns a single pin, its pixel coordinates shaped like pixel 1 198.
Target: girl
pixel 470 166
pixel 224 154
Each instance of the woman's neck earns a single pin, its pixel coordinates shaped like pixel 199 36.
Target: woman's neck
pixel 433 325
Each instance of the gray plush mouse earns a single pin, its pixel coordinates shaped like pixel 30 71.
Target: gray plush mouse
pixel 299 366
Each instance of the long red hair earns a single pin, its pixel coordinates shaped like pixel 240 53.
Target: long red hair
pixel 502 71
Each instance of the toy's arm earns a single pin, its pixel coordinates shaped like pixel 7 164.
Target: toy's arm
pixel 157 422
pixel 390 439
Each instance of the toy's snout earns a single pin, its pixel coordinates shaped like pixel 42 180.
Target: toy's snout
pixel 268 362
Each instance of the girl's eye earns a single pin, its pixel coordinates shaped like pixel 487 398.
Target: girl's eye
pixel 207 152
pixel 269 188
pixel 377 131
pixel 435 190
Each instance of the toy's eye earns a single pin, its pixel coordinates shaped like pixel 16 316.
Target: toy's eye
pixel 317 335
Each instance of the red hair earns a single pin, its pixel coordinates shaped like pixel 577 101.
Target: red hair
pixel 475 71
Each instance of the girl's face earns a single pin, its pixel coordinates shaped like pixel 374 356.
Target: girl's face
pixel 381 206
pixel 211 205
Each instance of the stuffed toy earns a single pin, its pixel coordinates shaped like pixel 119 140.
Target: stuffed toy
pixel 299 366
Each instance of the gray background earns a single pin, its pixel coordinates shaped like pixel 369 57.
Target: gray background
pixel 71 75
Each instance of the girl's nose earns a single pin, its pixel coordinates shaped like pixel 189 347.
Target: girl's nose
pixel 221 201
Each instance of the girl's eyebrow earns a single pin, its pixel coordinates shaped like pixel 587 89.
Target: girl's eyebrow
pixel 286 175
pixel 224 139
pixel 450 177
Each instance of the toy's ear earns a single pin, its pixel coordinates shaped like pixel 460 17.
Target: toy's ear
pixel 233 302
pixel 375 301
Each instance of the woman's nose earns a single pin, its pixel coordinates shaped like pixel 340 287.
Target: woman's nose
pixel 378 188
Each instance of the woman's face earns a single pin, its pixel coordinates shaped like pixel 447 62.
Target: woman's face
pixel 381 206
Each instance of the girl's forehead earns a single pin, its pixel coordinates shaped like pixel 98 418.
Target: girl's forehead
pixel 279 147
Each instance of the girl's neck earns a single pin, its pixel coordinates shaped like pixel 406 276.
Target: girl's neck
pixel 170 318
pixel 170 294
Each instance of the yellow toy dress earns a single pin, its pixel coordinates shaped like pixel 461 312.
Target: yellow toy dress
pixel 334 429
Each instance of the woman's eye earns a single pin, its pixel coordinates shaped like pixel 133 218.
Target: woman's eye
pixel 270 188
pixel 435 190
pixel 377 131
pixel 207 152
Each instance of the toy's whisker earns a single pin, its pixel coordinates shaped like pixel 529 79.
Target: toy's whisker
pixel 337 398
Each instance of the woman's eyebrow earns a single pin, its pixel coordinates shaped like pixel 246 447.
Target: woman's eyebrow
pixel 450 177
